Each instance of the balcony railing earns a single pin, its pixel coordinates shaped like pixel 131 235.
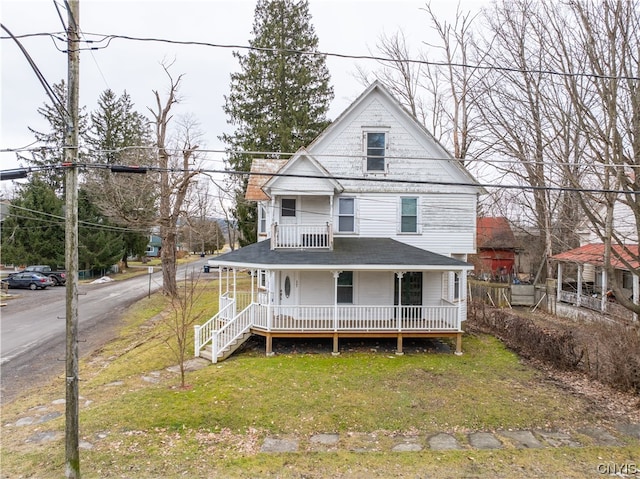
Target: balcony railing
pixel 302 236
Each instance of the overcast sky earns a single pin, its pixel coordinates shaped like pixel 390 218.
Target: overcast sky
pixel 343 26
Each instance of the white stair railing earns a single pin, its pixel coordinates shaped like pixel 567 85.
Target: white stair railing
pixel 222 338
pixel 203 333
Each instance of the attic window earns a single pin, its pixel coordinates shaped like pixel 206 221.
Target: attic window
pixel 376 143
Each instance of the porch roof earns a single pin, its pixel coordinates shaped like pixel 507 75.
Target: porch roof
pixel 594 254
pixel 352 253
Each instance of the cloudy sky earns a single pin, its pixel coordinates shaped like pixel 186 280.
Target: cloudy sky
pixel 343 26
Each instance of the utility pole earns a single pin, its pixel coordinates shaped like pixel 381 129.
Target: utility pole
pixel 72 453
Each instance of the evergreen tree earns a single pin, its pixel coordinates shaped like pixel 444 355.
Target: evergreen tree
pixel 54 140
pixel 279 100
pixel 115 125
pixel 121 136
pixel 100 246
pixel 33 232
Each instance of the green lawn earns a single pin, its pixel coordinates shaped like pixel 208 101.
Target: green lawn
pixel 141 424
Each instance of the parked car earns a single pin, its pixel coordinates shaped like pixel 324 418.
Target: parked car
pixel 57 277
pixel 29 280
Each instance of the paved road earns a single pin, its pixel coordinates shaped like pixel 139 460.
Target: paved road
pixel 33 327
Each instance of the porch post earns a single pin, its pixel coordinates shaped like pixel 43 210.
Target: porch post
pixel 335 299
pixel 235 297
pixel 253 275
pixel 462 298
pixel 559 285
pixel 399 274
pixel 605 288
pixel 219 285
pixel 636 293
pixel 269 299
pixel 579 284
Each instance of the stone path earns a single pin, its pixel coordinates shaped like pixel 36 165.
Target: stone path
pixel 524 439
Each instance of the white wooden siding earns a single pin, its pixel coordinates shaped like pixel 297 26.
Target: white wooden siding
pixel 317 287
pixel 314 210
pixel 375 288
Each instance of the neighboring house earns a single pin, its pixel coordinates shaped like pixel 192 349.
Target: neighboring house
pixel 496 257
pixel 365 233
pixel 583 282
pixel 153 247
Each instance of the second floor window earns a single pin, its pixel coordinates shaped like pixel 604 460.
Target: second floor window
pixel 376 143
pixel 409 215
pixel 262 220
pixel 288 207
pixel 346 215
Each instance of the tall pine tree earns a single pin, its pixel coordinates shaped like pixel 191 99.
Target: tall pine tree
pixel 119 135
pixel 53 141
pixel 279 100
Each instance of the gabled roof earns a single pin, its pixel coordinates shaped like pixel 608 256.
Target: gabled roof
pixel 594 254
pixel 377 88
pixel 314 176
pixel 259 175
pixel 349 253
pixel 495 233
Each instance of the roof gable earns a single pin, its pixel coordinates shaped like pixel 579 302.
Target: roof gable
pixel 423 158
pixel 302 174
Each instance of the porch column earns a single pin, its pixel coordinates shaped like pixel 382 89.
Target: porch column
pixel 462 298
pixel 336 274
pixel 219 285
pixel 603 300
pixel 253 275
pixel 399 274
pixel 234 283
pixel 559 285
pixel 269 300
pixel 636 293
pixel 579 298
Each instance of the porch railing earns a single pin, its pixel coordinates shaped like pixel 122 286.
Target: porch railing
pixel 358 318
pixel 302 236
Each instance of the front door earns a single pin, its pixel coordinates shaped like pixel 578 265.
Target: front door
pixel 411 285
pixel 289 288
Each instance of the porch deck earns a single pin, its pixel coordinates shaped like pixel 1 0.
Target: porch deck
pixel 223 330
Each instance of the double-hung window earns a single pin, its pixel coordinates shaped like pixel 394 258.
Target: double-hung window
pixel 346 215
pixel 409 215
pixel 262 220
pixel 344 294
pixel 376 144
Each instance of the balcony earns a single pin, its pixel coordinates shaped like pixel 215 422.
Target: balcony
pixel 302 236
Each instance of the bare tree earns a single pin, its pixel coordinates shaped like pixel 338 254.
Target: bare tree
pixel 181 319
pixel 176 175
pixel 438 90
pixel 603 40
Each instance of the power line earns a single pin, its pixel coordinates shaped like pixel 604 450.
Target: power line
pixel 105 40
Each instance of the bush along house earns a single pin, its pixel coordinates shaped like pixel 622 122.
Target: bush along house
pixel 364 233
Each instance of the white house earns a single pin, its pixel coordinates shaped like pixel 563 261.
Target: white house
pixel 365 233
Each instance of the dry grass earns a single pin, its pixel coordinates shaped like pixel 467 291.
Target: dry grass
pixel 140 424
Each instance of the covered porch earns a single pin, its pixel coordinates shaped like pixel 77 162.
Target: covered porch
pixel 583 281
pixel 356 300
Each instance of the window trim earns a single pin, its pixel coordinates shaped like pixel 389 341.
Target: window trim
pixel 282 208
pixel 365 147
pixel 351 286
pixel 262 220
pixel 342 215
pixel 416 216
